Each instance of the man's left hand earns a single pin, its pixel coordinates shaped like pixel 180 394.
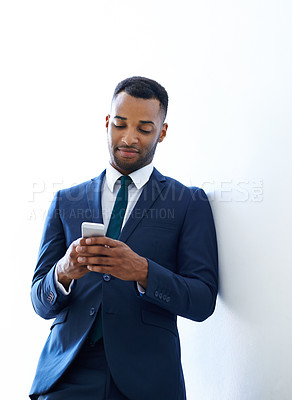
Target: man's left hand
pixel 109 256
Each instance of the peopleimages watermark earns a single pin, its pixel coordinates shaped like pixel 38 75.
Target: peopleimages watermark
pixel 245 190
pixel 235 191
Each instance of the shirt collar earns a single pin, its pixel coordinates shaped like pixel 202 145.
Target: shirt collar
pixel 139 177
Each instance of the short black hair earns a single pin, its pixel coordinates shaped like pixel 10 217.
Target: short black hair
pixel 144 88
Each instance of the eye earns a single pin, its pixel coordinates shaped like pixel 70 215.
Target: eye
pixel 119 126
pixel 144 131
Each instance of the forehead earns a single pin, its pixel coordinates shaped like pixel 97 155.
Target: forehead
pixel 131 107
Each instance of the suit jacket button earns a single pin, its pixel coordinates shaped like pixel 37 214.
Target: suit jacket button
pixel 160 296
pixel 156 294
pixel 92 311
pixel 164 297
pixel 107 277
pixel 168 299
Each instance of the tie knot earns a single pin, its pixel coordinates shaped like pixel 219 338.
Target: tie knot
pixel 125 180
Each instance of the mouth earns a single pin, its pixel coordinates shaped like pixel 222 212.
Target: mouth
pixel 128 152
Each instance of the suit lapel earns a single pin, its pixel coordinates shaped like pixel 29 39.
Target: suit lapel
pixel 151 191
pixel 94 198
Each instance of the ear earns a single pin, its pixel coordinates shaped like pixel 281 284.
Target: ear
pixel 107 121
pixel 163 132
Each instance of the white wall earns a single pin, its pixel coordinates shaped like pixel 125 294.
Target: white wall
pixel 227 68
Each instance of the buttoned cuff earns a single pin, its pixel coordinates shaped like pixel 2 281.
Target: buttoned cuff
pixel 59 285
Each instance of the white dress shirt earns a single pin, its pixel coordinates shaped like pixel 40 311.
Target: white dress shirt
pixel 110 187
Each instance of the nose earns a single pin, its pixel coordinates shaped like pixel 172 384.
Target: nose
pixel 130 137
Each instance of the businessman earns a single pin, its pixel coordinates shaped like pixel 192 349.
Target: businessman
pixel 115 299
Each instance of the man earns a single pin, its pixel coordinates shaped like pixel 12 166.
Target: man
pixel 116 298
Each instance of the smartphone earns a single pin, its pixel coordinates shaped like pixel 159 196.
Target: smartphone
pixel 92 229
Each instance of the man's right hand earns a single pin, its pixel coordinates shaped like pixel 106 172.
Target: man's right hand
pixel 68 268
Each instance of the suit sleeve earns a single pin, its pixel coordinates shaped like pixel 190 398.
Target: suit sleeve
pixel 192 290
pixel 47 300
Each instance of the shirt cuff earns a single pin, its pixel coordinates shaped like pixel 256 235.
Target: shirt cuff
pixel 140 288
pixel 59 285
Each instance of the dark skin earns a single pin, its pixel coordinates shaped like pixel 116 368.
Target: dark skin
pixel 104 255
pixel 134 130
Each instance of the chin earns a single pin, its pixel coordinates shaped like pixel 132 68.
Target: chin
pixel 128 166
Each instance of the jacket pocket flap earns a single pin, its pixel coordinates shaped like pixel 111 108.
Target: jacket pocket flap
pixel 61 317
pixel 160 320
pixel 166 224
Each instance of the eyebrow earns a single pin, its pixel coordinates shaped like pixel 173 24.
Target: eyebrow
pixel 142 122
pixel 118 117
pixel 147 122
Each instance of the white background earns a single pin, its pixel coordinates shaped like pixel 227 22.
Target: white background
pixel 227 67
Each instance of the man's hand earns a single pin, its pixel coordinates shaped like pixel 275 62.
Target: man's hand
pixel 68 268
pixel 105 255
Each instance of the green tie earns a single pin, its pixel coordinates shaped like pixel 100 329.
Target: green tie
pixel 113 231
pixel 118 213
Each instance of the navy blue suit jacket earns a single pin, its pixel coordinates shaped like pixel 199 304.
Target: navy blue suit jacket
pixel 172 226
